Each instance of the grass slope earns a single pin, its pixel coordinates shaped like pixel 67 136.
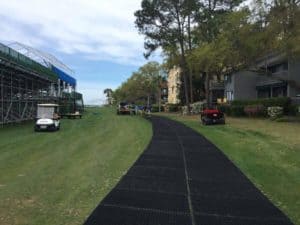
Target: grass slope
pixel 267 152
pixel 59 178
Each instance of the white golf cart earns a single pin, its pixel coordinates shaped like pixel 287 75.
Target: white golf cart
pixel 47 117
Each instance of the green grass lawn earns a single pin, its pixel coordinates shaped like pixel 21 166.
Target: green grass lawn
pixel 267 152
pixel 59 178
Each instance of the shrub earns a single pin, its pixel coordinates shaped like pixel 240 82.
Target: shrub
pixel 283 102
pixel 255 110
pixel 184 110
pixel 172 108
pixel 293 110
pixel 197 107
pixel 224 108
pixel 154 108
pixel 237 110
pixel 275 112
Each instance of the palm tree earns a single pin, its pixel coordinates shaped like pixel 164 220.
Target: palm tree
pixel 108 92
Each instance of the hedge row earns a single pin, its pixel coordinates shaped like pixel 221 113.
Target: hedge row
pixel 283 102
pixel 258 107
pixel 232 110
pixel 155 108
pixel 172 108
pixel 166 108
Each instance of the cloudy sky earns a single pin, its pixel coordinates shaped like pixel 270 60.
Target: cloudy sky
pixel 95 38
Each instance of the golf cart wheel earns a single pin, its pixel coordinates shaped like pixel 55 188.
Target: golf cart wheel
pixel 52 128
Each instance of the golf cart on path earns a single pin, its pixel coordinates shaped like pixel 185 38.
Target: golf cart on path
pixel 47 117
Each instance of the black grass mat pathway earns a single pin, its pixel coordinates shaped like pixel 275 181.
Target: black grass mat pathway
pixel 183 179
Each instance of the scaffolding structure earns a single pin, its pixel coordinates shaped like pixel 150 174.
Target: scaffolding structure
pixel 24 83
pixel 41 57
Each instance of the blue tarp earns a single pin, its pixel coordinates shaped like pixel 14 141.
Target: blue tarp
pixel 64 77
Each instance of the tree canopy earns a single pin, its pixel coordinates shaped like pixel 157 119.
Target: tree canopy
pixel 215 37
pixel 180 26
pixel 143 85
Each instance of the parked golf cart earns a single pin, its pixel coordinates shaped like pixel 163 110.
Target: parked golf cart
pixel 47 117
pixel 212 116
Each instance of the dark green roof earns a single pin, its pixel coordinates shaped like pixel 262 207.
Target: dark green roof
pixel 24 61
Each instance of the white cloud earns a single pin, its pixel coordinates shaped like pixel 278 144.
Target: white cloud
pixel 96 29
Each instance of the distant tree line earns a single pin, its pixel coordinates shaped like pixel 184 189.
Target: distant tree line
pixel 143 86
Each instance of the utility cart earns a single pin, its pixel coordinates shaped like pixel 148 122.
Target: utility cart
pixel 212 116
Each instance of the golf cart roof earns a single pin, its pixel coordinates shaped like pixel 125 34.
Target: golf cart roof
pixel 48 105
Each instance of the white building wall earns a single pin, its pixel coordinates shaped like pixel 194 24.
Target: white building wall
pixel 174 84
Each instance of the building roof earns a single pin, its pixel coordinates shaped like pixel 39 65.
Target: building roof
pixel 19 59
pixel 271 59
pixel 51 62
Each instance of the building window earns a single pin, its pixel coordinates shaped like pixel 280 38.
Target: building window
pixel 286 66
pixel 272 92
pixel 164 91
pixel 229 95
pixel 227 79
pixel 279 67
pixel 279 91
pixel 264 92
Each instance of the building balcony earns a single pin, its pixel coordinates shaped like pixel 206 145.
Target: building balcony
pixel 216 85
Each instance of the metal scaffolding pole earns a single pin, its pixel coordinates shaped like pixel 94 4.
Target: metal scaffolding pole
pixel 21 91
pixel 29 77
pixel 2 98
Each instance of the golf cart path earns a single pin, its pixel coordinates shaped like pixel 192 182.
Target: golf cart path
pixel 183 179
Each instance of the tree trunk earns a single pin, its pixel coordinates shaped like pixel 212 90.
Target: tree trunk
pixel 159 99
pixel 183 66
pixel 207 92
pixel 191 86
pixel 184 71
pixel 190 48
pixel 185 80
pixel 185 83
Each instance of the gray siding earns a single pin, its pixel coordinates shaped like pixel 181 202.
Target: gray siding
pixel 229 85
pixel 294 75
pixel 243 85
